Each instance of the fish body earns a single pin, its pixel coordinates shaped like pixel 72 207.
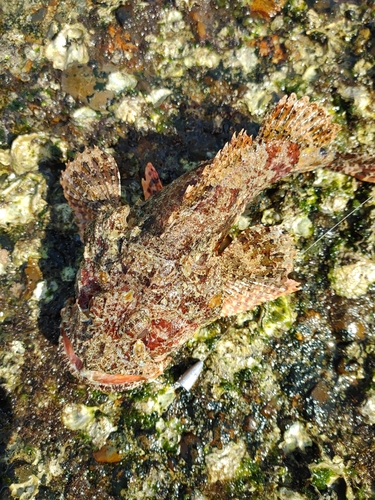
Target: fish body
pixel 153 274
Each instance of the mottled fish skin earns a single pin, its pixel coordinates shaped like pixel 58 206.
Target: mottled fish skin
pixel 152 275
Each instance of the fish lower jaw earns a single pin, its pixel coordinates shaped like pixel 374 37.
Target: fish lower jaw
pixel 109 379
pixel 105 381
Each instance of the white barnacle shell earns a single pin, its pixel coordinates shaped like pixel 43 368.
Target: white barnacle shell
pixel 130 109
pixel 29 149
pixel 69 47
pixel 78 416
pixel 120 80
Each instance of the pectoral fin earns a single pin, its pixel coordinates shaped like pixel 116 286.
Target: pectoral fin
pixel 91 182
pixel 256 267
pixel 151 184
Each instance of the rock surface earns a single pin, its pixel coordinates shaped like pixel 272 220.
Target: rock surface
pixel 286 389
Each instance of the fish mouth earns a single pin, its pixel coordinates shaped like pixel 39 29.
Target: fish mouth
pixel 77 367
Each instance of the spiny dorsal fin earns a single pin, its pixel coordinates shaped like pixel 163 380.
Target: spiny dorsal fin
pixel 229 155
pixel 90 182
pixel 217 169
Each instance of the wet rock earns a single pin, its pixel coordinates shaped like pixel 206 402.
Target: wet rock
pixel 191 448
pixel 314 358
pixel 79 81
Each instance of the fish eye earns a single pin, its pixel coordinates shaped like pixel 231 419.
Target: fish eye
pixel 323 152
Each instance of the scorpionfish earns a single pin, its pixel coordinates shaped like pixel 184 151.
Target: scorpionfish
pixel 153 274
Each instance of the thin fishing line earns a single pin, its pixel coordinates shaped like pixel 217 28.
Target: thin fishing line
pixel 336 225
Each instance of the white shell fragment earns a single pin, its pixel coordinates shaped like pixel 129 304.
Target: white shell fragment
pixel 158 96
pixel 23 198
pixel 27 490
pixel 84 116
pixel 222 465
pixel 188 379
pixel 368 409
pixel 5 157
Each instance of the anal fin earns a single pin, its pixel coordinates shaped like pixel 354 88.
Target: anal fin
pixel 255 268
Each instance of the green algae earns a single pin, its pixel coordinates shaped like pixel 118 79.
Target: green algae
pixel 321 478
pixel 277 317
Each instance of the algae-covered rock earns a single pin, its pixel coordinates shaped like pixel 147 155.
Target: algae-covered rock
pixel 222 465
pixel 353 280
pixel 28 150
pixel 22 199
pixel 284 406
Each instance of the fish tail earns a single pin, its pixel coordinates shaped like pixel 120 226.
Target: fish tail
pixel 361 166
pixel 90 182
pixel 301 129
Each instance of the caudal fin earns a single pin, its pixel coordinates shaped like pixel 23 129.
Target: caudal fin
pixel 361 166
pixel 304 123
pixel 91 182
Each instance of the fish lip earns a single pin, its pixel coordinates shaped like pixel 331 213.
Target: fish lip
pixel 110 380
pixel 76 362
pixel 96 377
